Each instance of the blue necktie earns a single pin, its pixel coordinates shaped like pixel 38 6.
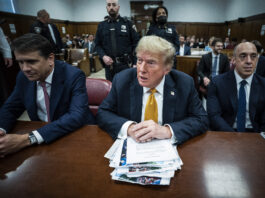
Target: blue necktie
pixel 214 68
pixel 241 111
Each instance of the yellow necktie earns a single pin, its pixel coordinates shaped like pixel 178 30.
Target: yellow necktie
pixel 151 112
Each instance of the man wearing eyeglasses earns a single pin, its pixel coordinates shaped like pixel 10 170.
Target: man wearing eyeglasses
pixel 236 99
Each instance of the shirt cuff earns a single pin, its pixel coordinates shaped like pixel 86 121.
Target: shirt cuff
pixel 38 136
pixel 123 131
pixel 3 130
pixel 173 139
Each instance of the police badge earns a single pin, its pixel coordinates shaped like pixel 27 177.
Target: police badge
pixel 123 28
pixel 37 30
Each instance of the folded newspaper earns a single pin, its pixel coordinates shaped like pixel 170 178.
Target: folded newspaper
pixel 150 163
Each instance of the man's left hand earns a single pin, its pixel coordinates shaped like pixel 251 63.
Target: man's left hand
pixel 11 143
pixel 147 130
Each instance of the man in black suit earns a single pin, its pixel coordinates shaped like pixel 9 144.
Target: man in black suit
pixel 213 64
pixel 261 60
pixel 183 48
pixel 44 27
pixel 236 99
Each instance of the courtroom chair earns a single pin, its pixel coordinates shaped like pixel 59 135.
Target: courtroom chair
pixel 98 65
pixel 97 91
pixel 79 58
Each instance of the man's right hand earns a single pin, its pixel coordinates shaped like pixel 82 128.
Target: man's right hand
pixel 107 60
pixel 206 81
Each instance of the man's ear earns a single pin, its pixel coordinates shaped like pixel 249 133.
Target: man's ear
pixel 51 59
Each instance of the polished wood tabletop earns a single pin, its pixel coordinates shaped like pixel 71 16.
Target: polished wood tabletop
pixel 216 164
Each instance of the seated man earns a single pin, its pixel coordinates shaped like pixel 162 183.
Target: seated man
pixel 183 48
pixel 50 91
pixel 213 64
pixel 236 99
pixel 153 101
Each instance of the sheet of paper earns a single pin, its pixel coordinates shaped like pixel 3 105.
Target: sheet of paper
pixel 112 151
pixel 156 150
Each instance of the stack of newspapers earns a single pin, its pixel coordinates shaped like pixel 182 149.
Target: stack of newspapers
pixel 150 163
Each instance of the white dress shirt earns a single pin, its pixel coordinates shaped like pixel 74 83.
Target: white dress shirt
pixel 41 107
pixel 159 99
pixel 181 50
pixel 247 90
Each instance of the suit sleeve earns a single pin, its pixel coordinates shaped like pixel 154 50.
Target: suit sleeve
pixel 77 115
pixel 13 107
pixel 107 115
pixel 200 68
pixel 195 122
pixel 214 110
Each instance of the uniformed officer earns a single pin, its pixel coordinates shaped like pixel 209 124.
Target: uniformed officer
pixel 115 41
pixel 43 27
pixel 161 28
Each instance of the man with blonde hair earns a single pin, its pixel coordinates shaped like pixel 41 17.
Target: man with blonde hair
pixel 152 101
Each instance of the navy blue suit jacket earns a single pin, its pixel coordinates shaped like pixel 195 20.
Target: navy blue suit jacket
pixel 68 103
pixel 182 109
pixel 186 50
pixel 222 102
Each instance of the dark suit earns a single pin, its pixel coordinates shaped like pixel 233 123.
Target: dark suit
pixel 205 65
pixel 261 66
pixel 68 103
pixel 91 51
pixel 186 50
pixel 40 28
pixel 222 102
pixel 182 109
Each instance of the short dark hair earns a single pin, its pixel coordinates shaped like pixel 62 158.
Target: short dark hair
pixel 32 42
pixel 258 45
pixel 155 12
pixel 216 40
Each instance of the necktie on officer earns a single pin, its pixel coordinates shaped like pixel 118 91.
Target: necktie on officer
pixel 214 69
pixel 46 99
pixel 151 111
pixel 241 111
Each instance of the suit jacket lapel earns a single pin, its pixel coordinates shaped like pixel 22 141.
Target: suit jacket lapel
pixel 56 88
pixel 136 96
pixel 170 100
pixel 31 97
pixel 253 97
pixel 233 89
pixel 209 62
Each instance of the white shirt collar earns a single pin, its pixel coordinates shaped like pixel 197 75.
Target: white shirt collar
pixel 48 80
pixel 239 78
pixel 159 88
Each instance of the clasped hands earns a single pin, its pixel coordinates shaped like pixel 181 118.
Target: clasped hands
pixel 10 143
pixel 147 130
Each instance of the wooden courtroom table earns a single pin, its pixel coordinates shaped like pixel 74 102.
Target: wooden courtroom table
pixel 216 164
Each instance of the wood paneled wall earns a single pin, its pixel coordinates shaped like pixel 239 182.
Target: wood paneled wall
pixel 250 29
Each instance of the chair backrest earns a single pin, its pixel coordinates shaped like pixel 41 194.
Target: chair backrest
pixel 76 55
pixel 97 91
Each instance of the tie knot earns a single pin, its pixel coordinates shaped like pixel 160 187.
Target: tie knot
pixel 243 83
pixel 43 84
pixel 153 90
